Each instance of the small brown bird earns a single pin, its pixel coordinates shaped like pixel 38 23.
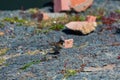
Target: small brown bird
pixel 57 46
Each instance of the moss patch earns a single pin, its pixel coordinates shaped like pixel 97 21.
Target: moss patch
pixel 18 21
pixel 15 20
pixel 57 27
pixel 33 52
pixel 69 73
pixel 2 60
pixel 117 11
pixel 3 51
pixel 27 65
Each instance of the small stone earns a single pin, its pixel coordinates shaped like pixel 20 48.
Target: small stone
pixel 80 5
pixel 61 5
pixel 68 43
pixel 76 2
pixel 85 27
pixel 67 5
pixel 91 18
pixel 45 16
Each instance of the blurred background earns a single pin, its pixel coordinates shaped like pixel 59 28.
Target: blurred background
pixel 23 4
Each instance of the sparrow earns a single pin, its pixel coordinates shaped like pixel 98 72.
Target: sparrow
pixel 57 46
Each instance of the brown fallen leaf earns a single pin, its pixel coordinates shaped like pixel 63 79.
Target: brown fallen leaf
pixel 1 33
pixel 116 44
pixel 107 67
pixel 30 74
pixel 118 57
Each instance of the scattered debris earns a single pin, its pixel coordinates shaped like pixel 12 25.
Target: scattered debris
pixel 114 44
pixel 71 72
pixel 11 56
pixel 108 20
pixel 107 67
pixel 29 74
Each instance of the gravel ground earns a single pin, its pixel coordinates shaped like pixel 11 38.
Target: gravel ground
pixel 93 49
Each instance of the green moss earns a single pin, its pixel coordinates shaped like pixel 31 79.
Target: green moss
pixel 51 22
pixel 99 17
pixel 99 23
pixel 69 73
pixel 2 60
pixel 58 23
pixel 29 64
pixel 98 12
pixel 76 18
pixel 3 51
pixel 82 18
pixel 117 11
pixel 33 10
pixel 57 27
pixel 6 64
pixel 38 31
pixel 33 52
pixel 15 20
pixel 1 25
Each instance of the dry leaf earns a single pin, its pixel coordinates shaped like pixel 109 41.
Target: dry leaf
pixel 1 33
pixel 107 67
pixel 29 74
